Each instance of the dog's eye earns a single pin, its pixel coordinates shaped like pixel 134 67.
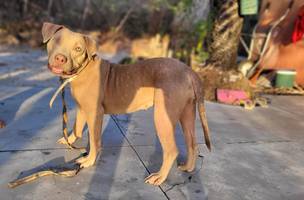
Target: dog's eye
pixel 78 49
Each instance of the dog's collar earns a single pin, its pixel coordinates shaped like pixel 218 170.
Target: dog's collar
pixel 67 79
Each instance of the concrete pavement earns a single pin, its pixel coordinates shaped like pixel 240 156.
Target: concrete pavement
pixel 256 154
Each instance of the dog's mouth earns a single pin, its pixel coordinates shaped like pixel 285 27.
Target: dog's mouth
pixel 55 69
pixel 58 70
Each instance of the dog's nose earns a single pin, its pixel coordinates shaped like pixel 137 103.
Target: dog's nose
pixel 60 59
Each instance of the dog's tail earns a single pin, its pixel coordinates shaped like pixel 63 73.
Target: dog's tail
pixel 199 95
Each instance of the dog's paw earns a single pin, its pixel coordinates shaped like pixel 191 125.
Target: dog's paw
pixel 186 168
pixel 85 161
pixel 71 139
pixel 155 179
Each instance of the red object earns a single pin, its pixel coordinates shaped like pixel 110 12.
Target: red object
pixel 298 31
pixel 228 96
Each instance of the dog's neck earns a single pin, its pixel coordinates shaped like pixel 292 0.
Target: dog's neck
pixel 92 70
pixel 77 79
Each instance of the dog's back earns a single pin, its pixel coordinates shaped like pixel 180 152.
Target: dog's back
pixel 131 87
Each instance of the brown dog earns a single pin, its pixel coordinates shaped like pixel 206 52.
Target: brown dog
pixel 103 88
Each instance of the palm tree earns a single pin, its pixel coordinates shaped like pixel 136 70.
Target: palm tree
pixel 224 39
pixel 220 69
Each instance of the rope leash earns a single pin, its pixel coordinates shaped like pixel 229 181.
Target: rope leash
pixel 64 80
pixel 63 83
pixel 65 113
pixel 65 117
pixel 66 169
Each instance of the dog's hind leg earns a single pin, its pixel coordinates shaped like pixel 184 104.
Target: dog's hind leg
pixel 79 124
pixel 187 121
pixel 165 118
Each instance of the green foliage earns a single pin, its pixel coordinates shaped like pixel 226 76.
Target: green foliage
pixel 146 17
pixel 181 6
pixel 201 29
pixel 193 42
pixel 175 6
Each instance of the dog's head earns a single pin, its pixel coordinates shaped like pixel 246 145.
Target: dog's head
pixel 67 50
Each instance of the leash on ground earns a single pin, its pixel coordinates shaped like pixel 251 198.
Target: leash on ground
pixel 67 169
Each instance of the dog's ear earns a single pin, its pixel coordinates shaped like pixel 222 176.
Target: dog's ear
pixel 91 46
pixel 48 30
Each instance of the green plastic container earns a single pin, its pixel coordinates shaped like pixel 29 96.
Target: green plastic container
pixel 285 78
pixel 249 7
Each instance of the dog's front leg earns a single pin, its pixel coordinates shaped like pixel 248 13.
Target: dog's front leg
pixel 94 121
pixel 79 124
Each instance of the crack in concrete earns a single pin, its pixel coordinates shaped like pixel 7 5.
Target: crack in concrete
pixel 260 142
pixel 66 148
pixel 133 148
pixel 38 149
pixel 189 179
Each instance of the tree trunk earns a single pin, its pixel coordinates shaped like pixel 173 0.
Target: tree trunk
pixel 224 38
pixel 220 69
pixel 86 12
pixel 25 7
pixel 49 8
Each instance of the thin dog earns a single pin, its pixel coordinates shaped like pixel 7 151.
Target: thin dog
pixel 105 88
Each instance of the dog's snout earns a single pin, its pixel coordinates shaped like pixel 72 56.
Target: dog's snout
pixel 60 59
